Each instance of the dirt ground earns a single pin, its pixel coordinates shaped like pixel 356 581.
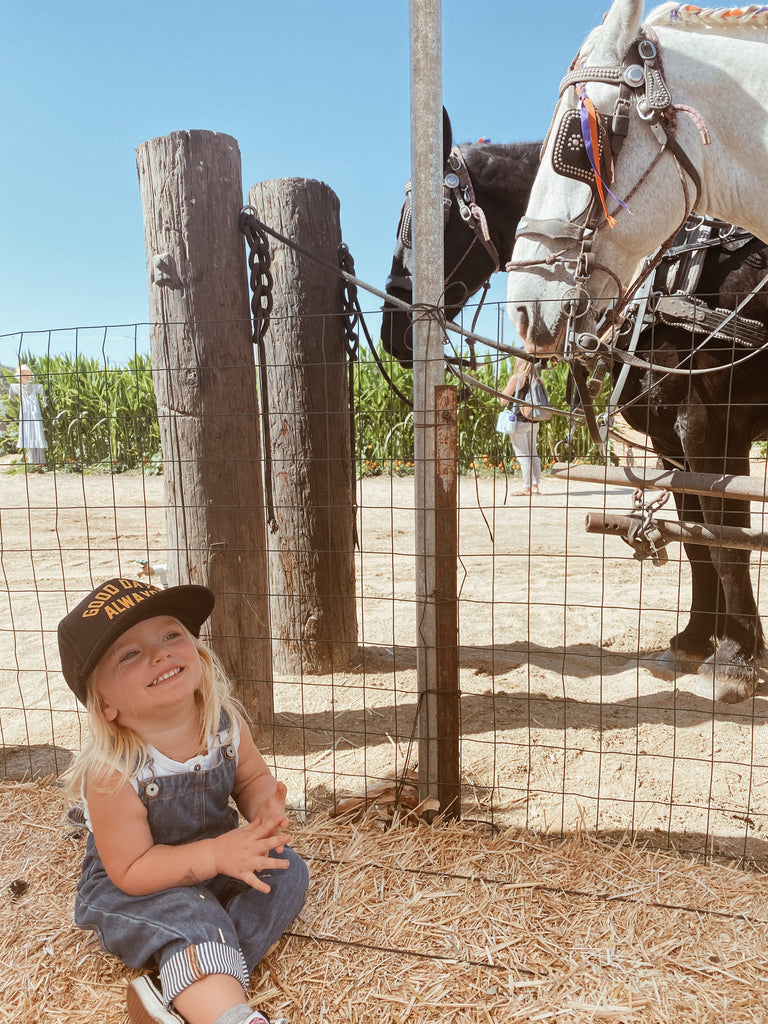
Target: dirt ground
pixel 564 724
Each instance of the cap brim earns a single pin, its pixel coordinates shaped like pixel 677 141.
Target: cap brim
pixel 189 603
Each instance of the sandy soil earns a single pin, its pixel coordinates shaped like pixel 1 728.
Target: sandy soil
pixel 564 724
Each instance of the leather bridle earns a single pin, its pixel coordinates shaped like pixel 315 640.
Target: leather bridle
pixel 640 80
pixel 458 188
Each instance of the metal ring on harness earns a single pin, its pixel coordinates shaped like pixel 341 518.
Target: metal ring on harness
pixel 588 343
pixel 576 302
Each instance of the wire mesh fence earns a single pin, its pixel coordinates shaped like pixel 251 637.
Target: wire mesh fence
pixel 567 723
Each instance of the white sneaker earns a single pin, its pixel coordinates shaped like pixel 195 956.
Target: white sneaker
pixel 146 1006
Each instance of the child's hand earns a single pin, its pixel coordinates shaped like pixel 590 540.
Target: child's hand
pixel 274 807
pixel 245 850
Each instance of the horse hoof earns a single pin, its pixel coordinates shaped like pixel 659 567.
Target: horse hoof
pixel 731 681
pixel 670 664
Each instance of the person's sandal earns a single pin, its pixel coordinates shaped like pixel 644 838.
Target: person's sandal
pixel 146 1005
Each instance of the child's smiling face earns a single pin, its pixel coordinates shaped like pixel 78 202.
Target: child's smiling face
pixel 151 667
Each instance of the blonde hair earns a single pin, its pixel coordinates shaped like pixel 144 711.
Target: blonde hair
pixel 523 368
pixel 114 749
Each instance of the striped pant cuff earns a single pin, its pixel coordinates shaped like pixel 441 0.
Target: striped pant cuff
pixel 196 962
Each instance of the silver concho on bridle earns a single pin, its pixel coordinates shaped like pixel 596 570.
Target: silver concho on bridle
pixel 457 185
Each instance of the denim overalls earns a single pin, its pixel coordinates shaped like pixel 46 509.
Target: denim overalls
pixel 221 926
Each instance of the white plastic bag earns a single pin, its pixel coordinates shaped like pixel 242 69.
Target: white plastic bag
pixel 506 422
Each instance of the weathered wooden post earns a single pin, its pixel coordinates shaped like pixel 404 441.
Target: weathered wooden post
pixel 205 385
pixel 311 562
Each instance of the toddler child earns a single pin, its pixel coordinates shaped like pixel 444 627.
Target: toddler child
pixel 170 880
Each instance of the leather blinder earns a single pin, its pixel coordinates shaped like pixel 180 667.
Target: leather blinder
pixel 569 153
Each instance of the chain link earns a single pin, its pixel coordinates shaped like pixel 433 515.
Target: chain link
pixel 352 314
pixel 260 274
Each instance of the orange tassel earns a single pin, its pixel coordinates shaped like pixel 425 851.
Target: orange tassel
pixel 593 134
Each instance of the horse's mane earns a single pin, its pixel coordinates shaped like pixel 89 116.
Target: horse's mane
pixel 730 20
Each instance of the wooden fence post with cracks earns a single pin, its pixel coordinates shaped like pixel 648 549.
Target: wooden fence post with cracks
pixel 311 560
pixel 205 384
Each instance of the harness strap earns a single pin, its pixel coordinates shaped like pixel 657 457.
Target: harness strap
pixel 457 183
pixel 469 209
pixel 681 272
pixel 686 310
pixel 684 160
pixel 611 76
pixel 551 228
pixel 579 375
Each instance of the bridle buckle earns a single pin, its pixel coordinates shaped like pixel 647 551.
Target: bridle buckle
pixel 585 264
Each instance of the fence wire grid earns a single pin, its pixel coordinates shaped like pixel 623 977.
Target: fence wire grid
pixel 566 724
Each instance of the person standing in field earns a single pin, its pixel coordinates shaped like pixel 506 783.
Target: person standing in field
pixel 526 430
pixel 31 397
pixel 171 881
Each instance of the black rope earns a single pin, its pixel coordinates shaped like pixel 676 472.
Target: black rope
pixel 352 345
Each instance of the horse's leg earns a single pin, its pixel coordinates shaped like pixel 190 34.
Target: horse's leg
pixel 696 641
pixel 731 668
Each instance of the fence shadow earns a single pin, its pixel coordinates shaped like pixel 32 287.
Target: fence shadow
pixel 37 761
pixel 501 706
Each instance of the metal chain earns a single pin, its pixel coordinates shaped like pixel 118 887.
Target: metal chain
pixel 352 313
pixel 261 281
pixel 259 263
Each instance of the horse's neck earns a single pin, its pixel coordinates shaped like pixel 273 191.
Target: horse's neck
pixel 502 176
pixel 699 71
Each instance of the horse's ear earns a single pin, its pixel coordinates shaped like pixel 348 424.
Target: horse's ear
pixel 620 28
pixel 447 136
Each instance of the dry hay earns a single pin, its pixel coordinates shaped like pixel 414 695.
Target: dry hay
pixel 422 923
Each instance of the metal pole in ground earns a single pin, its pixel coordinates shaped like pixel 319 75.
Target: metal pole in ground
pixel 436 610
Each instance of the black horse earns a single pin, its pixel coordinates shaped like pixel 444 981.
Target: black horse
pixel 702 422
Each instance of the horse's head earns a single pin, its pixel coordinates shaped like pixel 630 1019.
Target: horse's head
pixel 485 188
pixel 610 150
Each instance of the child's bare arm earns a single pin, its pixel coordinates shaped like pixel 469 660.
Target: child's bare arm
pixel 138 866
pixel 257 792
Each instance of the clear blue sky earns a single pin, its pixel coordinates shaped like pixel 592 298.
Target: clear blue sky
pixel 308 89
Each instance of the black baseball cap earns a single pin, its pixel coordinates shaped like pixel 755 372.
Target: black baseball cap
pixel 107 612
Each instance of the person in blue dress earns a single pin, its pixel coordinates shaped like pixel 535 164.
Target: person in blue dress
pixel 31 403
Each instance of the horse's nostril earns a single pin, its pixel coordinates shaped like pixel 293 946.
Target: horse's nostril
pixel 523 323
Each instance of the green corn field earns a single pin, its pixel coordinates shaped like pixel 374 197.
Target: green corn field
pixel 384 422
pixel 96 417
pixel 104 418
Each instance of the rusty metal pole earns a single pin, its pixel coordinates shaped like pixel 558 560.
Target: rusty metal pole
pixel 718 485
pixel 437 617
pixel 680 532
pixel 447 600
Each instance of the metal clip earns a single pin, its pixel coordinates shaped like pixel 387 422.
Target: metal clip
pixel 585 264
pixel 645 537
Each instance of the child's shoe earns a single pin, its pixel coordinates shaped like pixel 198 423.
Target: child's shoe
pixel 146 1006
